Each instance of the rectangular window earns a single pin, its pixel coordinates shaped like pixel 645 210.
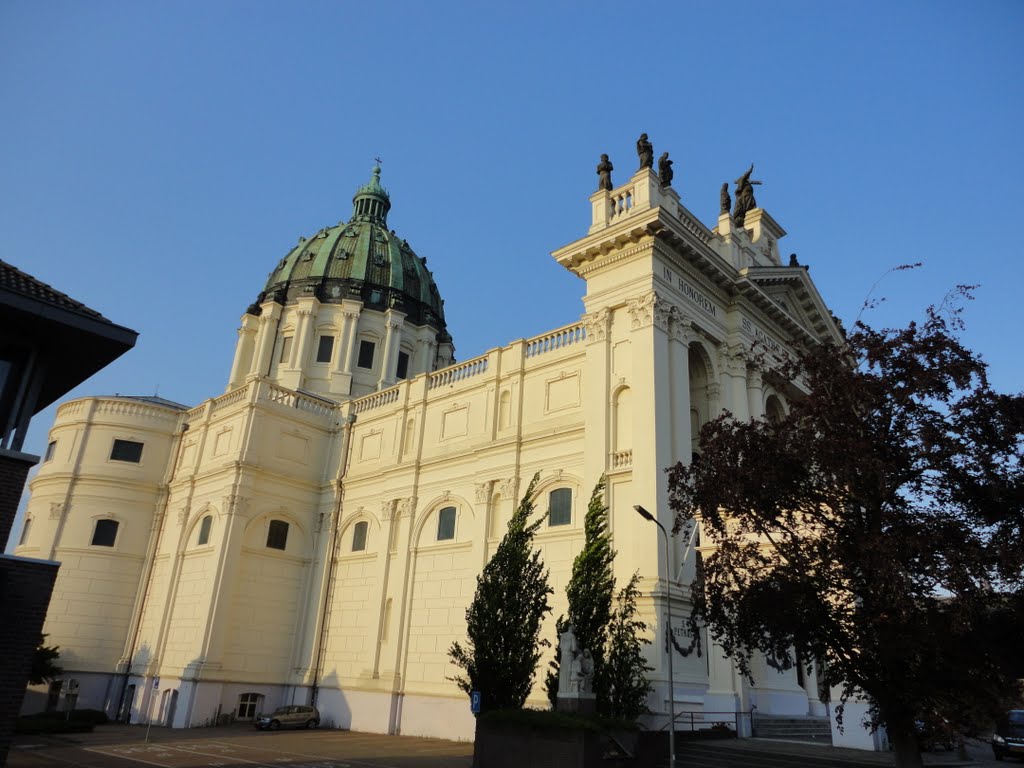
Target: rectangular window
pixel 366 349
pixel 24 532
pixel 286 349
pixel 126 450
pixel 446 524
pixel 403 365
pixel 324 349
pixel 560 506
pixel 247 705
pixel 359 536
pixel 277 535
pixel 105 533
pixel 49 450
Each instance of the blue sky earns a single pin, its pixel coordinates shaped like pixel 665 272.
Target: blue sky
pixel 158 159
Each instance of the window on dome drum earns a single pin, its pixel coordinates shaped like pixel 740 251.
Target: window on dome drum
pixel 366 349
pixel 24 532
pixel 49 450
pixel 324 350
pixel 126 450
pixel 286 349
pixel 560 505
pixel 446 524
pixel 277 535
pixel 359 536
pixel 204 530
pixel 105 533
pixel 403 365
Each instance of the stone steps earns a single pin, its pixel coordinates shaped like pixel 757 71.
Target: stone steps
pixel 801 728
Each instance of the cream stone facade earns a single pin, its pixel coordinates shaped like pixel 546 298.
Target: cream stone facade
pixel 314 533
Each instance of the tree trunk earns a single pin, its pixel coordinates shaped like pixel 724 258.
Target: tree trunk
pixel 904 746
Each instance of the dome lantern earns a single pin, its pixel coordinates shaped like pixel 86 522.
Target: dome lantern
pixel 371 201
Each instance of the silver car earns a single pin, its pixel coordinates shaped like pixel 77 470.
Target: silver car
pixel 291 716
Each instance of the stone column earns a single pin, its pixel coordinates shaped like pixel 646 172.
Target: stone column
pixel 345 360
pixel 393 322
pixel 302 336
pixel 244 351
pixel 265 338
pixel 734 381
pixel 755 393
pixel 681 334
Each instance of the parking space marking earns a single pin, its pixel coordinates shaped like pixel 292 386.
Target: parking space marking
pixel 322 761
pixel 124 756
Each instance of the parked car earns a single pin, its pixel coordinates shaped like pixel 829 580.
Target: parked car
pixel 292 716
pixel 1008 740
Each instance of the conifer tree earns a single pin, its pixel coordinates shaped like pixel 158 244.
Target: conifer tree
pixel 590 591
pixel 503 622
pixel 625 666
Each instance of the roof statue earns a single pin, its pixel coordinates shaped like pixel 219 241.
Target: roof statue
pixel 725 202
pixel 604 173
pixel 665 170
pixel 744 196
pixel 645 151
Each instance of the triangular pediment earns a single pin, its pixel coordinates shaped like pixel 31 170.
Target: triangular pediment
pixel 793 292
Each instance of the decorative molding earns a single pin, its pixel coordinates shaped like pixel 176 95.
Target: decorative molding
pixel 351 314
pixel 407 506
pixel 483 491
pixel 649 309
pixel 304 312
pixel 595 324
pixel 234 504
pixel 56 510
pixel 183 515
pixel 680 326
pixel 507 488
pixel 755 378
pixel 388 509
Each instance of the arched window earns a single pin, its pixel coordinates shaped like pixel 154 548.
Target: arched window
pixel 204 530
pixel 446 524
pixel 359 536
pixel 560 506
pixel 277 535
pixel 105 533
pixel 773 410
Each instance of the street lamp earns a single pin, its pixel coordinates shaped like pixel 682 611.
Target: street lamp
pixel 668 601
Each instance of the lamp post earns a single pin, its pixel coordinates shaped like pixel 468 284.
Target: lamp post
pixel 668 602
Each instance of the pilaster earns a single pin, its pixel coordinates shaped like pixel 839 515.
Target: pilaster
pixel 245 350
pixel 265 338
pixel 341 381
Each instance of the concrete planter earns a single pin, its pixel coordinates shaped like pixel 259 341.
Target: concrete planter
pixel 501 744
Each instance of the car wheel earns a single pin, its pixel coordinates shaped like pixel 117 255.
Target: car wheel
pixel 274 725
pixel 312 724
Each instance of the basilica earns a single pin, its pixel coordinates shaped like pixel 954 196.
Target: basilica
pixel 313 534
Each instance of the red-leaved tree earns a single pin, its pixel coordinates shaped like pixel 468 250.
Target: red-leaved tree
pixel 876 526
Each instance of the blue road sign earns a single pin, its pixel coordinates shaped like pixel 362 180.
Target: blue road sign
pixel 474 702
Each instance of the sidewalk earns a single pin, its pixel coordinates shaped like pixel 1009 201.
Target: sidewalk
pixel 978 753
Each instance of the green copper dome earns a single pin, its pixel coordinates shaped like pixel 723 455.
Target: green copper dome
pixel 360 259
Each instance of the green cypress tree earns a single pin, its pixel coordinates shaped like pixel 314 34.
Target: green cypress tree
pixel 590 592
pixel 503 622
pixel 625 668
